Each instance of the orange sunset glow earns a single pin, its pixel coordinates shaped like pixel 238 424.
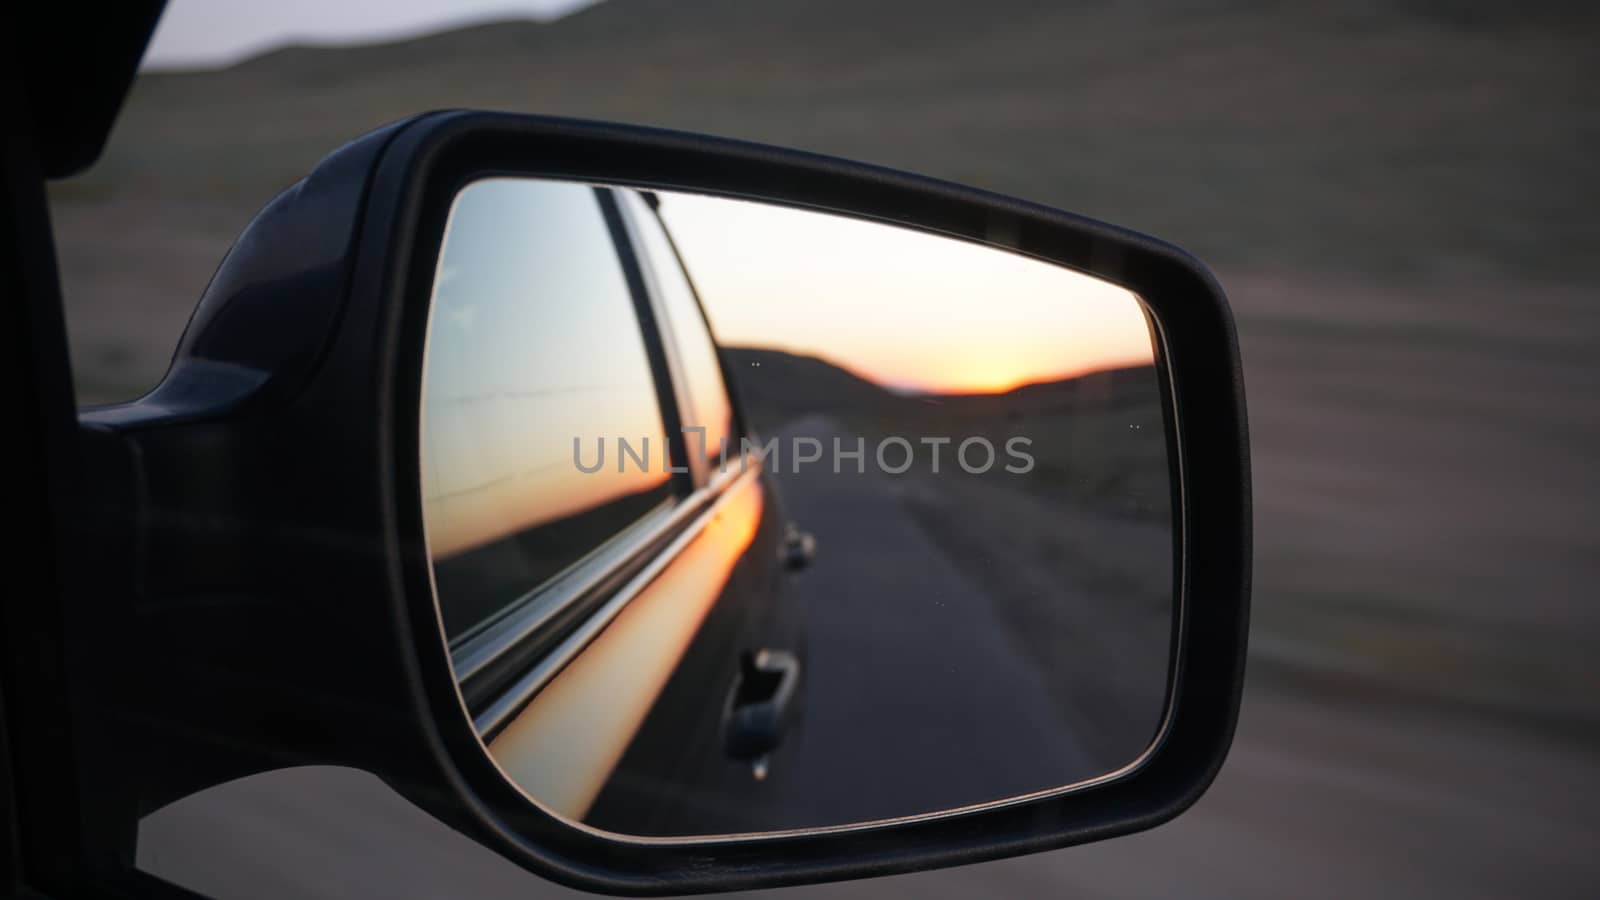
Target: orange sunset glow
pixel 912 311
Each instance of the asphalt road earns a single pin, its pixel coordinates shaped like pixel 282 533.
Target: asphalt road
pixel 918 693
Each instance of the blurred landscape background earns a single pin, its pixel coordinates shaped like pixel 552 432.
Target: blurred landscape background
pixel 1397 196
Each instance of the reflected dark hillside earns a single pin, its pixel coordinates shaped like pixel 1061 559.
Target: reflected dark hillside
pixel 1094 439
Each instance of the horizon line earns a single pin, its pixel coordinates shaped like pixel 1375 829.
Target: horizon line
pixel 917 392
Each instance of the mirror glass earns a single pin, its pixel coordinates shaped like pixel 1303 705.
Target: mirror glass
pixel 748 518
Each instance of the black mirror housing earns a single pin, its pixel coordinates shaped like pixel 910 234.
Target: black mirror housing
pixel 267 529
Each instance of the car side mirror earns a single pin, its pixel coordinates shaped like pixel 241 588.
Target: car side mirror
pixel 497 459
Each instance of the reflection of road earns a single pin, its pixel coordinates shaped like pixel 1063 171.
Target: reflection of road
pixel 917 696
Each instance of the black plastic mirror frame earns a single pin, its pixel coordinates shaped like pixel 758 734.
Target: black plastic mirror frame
pixel 408 197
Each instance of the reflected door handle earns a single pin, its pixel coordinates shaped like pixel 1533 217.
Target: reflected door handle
pixel 799 548
pixel 758 704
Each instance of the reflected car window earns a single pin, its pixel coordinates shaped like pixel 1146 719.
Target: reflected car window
pixel 697 351
pixel 535 353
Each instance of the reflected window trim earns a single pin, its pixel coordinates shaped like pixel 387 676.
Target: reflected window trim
pixel 671 396
pixel 703 472
pixel 496 686
pixel 730 384
pixel 480 645
pixel 487 658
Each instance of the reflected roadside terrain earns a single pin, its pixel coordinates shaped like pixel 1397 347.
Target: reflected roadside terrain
pixel 1017 622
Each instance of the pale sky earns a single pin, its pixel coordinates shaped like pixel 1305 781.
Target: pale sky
pixel 199 34
pixel 907 309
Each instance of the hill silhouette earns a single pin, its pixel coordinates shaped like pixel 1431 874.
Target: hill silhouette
pixel 1097 440
pixel 777 385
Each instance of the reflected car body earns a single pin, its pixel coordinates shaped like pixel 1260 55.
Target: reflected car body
pixel 605 644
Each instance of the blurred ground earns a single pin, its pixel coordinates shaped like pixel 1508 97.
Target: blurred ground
pixel 1324 796
pixel 1398 198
